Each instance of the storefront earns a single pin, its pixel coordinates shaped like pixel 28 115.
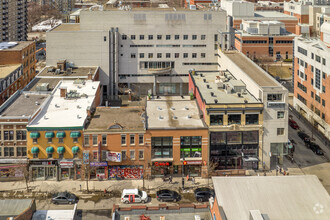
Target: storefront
pixel 12 169
pixel 125 172
pixel 160 169
pixel 193 168
pixel 66 169
pixel 43 170
pixel 98 170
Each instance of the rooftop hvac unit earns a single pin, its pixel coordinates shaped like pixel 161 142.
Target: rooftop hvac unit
pixel 57 71
pixel 252 30
pixel 42 87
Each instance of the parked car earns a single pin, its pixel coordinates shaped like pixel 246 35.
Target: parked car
pixel 166 195
pixel 293 124
pixel 315 148
pixel 203 194
pixel 134 196
pixel 304 137
pixel 64 198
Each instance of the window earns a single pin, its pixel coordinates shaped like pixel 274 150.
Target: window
pixel 141 55
pixel 132 139
pixel 132 37
pixel 312 94
pixel 132 154
pixel 190 146
pixel 151 37
pixel 202 55
pixel 35 140
pixel 312 69
pixel 94 139
pixel 323 89
pixel 280 131
pixel 176 55
pixel 234 119
pixel 185 37
pixel 6 135
pixel 194 37
pixel 280 114
pixel 318 58
pixel 150 55
pixel 141 141
pixel 104 38
pixel 323 75
pixel 317 78
pixel 141 37
pixel 95 155
pixel 50 140
pixel 323 116
pixel 35 155
pixel 203 37
pixel 21 151
pixel 251 119
pixel 86 140
pixel 312 81
pixel 185 55
pixel 133 55
pixel 215 37
pixel 317 98
pixel 302 99
pixel 123 139
pixel 177 37
pixel 216 119
pixel 168 37
pixel 194 55
pixel 123 155
pixel 159 55
pixel 75 140
pixel 124 37
pixel 302 87
pixel 302 51
pixel 161 147
pixel 104 139
pixel 323 61
pixel 274 97
pixel 312 56
pixel 323 102
pixel 49 155
pixel 141 154
pixel 168 55
pixel 21 135
pixel 159 37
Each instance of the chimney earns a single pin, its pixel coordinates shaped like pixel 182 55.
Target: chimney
pixel 129 96
pixel 90 75
pixel 89 114
pixel 63 92
pixel 61 65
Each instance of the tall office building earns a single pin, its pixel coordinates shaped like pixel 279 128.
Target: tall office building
pixel 13 20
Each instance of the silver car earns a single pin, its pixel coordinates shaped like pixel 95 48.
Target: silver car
pixel 64 198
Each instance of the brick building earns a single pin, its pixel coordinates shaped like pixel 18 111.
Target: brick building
pixel 311 79
pixel 16 53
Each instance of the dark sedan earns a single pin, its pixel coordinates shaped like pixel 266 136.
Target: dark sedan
pixel 203 194
pixel 315 148
pixel 166 195
pixel 304 137
pixel 64 198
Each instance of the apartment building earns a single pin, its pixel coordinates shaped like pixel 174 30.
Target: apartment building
pixel 299 9
pixel 54 136
pixel 18 66
pixel 258 39
pixel 14 22
pixel 311 79
pixel 321 17
pixel 64 6
pixel 149 51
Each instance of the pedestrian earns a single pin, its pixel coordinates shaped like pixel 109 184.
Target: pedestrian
pixel 193 180
pixel 188 177
pixel 182 183
pixel 170 179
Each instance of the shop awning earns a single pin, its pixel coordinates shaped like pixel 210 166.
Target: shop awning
pixel 49 134
pixel 34 135
pixel 60 150
pixel 75 149
pixel 35 150
pixel 60 134
pixel 75 134
pixel 50 150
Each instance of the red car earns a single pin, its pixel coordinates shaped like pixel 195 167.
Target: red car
pixel 293 124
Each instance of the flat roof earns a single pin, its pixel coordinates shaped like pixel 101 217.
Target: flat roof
pixel 251 69
pixel 54 214
pixel 24 105
pixel 273 14
pixel 67 27
pixel 220 94
pixel 52 82
pixel 81 72
pixel 14 207
pixel 115 119
pixel 70 111
pixel 6 70
pixel 171 215
pixel 173 112
pixel 277 197
pixel 16 45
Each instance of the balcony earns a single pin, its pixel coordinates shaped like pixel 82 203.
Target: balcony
pixel 159 70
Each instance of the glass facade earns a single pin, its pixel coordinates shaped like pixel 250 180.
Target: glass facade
pixel 191 146
pixel 162 147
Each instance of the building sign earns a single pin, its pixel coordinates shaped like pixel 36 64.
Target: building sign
pixel 86 157
pixel 98 164
pixel 157 164
pixel 113 156
pixel 194 162
pixel 125 172
pixel 66 163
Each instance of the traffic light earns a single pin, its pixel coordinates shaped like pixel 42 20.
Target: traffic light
pixel 184 162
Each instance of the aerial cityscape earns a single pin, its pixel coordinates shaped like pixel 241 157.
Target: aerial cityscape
pixel 164 109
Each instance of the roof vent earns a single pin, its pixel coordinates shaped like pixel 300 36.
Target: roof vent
pixel 212 93
pixel 45 117
pixel 175 118
pixel 189 116
pixel 78 117
pixel 239 94
pixel 159 108
pixel 202 75
pixel 78 106
pixel 215 100
pixel 245 101
pixel 160 117
pixel 204 80
pixel 57 106
pixel 208 86
pixel 37 103
pixel 186 108
pixel 26 95
pixel 172 108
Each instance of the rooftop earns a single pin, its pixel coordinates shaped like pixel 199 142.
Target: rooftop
pixel 13 207
pixel 6 70
pixel 69 111
pixel 173 112
pixel 277 197
pixel 272 15
pixel 67 27
pixel 22 105
pixel 33 85
pixel 11 46
pixel 251 69
pixel 222 88
pixel 76 72
pixel 114 119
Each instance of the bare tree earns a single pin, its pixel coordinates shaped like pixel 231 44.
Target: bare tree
pixel 211 166
pixel 37 13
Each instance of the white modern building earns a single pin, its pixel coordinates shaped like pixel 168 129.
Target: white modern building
pixel 145 50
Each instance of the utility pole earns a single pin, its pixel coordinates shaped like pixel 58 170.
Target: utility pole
pixel 183 158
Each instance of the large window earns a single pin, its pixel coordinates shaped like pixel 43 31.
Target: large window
pixel 234 119
pixel 123 139
pixel 216 119
pixel 21 135
pixel 94 139
pixel 162 147
pixel 274 97
pixel 86 140
pixel 251 119
pixel 317 78
pixel 191 146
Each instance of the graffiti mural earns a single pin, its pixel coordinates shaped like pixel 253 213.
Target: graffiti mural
pixel 125 172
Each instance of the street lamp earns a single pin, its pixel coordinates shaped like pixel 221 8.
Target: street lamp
pixel 183 159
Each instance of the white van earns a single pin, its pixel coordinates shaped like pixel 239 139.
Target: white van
pixel 134 195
